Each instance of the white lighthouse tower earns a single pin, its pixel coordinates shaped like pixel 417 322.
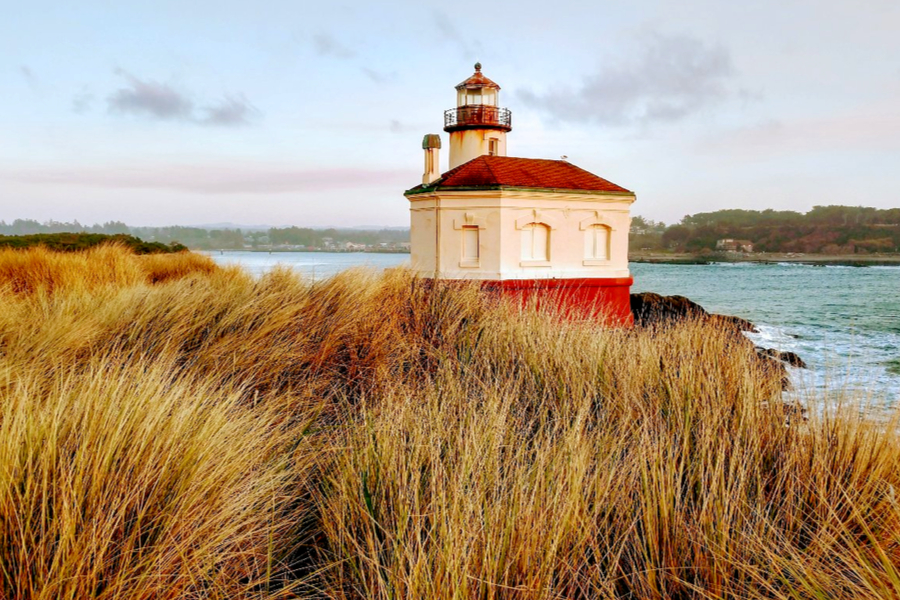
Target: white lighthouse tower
pixel 477 126
pixel 523 227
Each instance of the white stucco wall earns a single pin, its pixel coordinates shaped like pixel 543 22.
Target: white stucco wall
pixel 500 217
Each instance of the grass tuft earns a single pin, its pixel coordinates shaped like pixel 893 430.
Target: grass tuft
pixel 172 429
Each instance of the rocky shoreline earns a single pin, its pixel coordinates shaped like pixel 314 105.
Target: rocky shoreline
pixel 650 309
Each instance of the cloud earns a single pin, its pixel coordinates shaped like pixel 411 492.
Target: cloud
pixel 397 126
pixel 379 77
pixel 450 33
pixel 29 76
pixel 162 102
pixel 221 178
pixel 231 111
pixel 669 79
pixel 150 98
pixel 326 45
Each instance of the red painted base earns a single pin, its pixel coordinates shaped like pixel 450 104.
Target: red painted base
pixel 600 298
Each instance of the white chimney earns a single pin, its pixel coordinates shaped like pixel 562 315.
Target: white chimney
pixel 431 143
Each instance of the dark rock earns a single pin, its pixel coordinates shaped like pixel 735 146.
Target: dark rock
pixel 649 308
pixel 736 322
pixel 791 358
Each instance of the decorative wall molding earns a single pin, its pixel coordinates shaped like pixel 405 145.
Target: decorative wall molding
pixel 536 216
pixel 595 219
pixel 469 220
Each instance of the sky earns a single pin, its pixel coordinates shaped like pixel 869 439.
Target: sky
pixel 312 113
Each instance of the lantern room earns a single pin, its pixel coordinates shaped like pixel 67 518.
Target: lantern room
pixel 477 90
pixel 478 125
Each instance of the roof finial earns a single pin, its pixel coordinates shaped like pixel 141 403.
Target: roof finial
pixel 478 67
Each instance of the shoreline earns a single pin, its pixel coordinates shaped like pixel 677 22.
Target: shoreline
pixel 279 251
pixel 846 260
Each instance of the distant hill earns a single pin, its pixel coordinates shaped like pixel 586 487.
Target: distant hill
pixel 822 230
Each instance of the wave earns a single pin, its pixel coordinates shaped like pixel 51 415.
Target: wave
pixel 773 336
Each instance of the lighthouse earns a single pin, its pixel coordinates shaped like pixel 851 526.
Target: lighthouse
pixel 527 228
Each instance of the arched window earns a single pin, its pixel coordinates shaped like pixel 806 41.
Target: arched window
pixel 536 242
pixel 596 242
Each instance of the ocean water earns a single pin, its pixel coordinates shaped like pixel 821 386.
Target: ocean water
pixel 843 321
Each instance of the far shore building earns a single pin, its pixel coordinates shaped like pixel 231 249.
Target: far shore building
pixel 523 226
pixel 729 245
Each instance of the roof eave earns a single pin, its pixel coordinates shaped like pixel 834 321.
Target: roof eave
pixel 483 188
pixel 475 86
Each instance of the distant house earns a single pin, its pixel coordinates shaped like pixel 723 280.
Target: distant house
pixel 729 245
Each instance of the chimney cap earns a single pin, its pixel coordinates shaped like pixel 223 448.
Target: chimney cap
pixel 431 140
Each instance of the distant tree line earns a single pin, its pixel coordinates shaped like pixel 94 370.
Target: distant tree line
pixel 200 238
pixel 71 242
pixel 823 230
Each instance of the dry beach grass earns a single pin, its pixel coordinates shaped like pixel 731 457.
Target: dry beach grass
pixel 170 429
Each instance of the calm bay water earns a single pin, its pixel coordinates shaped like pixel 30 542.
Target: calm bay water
pixel 312 264
pixel 843 321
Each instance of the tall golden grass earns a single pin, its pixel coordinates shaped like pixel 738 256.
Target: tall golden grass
pixel 169 429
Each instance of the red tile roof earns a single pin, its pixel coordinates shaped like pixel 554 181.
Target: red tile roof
pixel 497 172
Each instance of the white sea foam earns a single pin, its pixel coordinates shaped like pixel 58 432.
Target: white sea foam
pixel 773 336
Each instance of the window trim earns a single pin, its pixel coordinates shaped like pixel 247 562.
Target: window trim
pixel 536 262
pixel 594 261
pixel 470 263
pixel 598 218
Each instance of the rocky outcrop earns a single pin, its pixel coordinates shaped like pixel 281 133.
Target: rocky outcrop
pixel 736 322
pixel 650 309
pixel 791 358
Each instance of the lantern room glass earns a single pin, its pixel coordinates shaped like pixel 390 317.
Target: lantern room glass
pixel 477 97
